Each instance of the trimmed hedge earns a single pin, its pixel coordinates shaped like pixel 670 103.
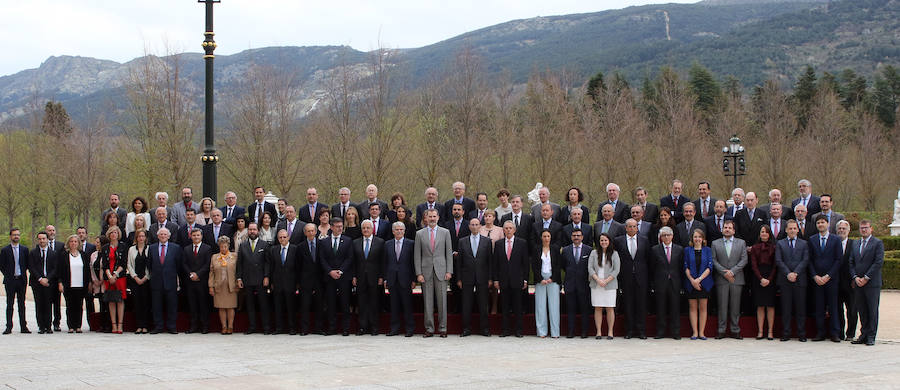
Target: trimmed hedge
pixel 890 273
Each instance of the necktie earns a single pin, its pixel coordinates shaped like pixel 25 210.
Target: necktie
pixel 804 201
pixel 792 243
pixel 253 246
pixel 162 254
pixel 675 201
pixel 475 244
pixel 283 255
pixel 343 210
pixel 430 206
pixel 508 249
pixel 431 231
pixel 52 246
pixel 259 208
pixel 15 250
pixel 290 228
pixel 632 246
pixel 669 254
pixel 802 226
pixel 366 249
pixel 334 245
pixel 375 227
pixel 546 224
pixel 312 211
pixel 822 245
pixel 577 254
pixel 44 258
pixel 862 248
pixel 751 213
pixel 728 248
pixel 216 232
pixel 195 250
pixel 229 213
pixel 398 247
pixel 517 220
pixel 457 228
pixel 605 227
pixel 719 223
pixel 705 214
pixel 480 214
pixel 775 229
pixel 312 250
pixel 828 216
pixel 687 224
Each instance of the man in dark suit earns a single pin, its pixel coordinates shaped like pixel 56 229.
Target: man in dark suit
pixel 459 192
pixel 256 209
pixel 644 227
pixel 218 228
pixel 113 208
pixel 675 201
pixel 283 266
pixel 197 255
pixel 777 223
pixel 230 211
pixel 775 197
pixel 806 198
pixel 866 261
pixel 458 228
pixel 251 272
pixel 705 203
pixel 543 199
pixel 14 264
pixel 749 220
pixel 380 225
pixel 848 315
pixel 474 278
pixel 431 202
pixel 371 197
pixel 737 195
pixel 687 226
pixel 165 260
pixel 621 210
pixel 481 202
pixel 310 211
pixel 83 245
pixel 55 295
pixel 42 268
pixel 606 224
pixel 523 222
pixel 368 252
pixel 182 236
pixel 336 259
pixel 576 216
pixel 545 221
pixel 399 278
pixel 651 211
pixel 668 269
pixel 509 271
pixel 578 291
pixel 792 260
pixel 292 225
pixel 162 221
pixel 310 276
pixel 714 222
pixel 825 262
pixel 634 255
pixel 340 208
pixel 804 223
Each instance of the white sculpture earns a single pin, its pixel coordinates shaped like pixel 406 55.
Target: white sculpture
pixel 533 194
pixel 895 225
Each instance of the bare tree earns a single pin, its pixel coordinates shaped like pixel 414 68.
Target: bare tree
pixel 827 129
pixel 87 170
pixel 872 159
pixel 550 122
pixel 466 100
pixel 13 145
pixel 383 119
pixel 340 106
pixel 774 125
pixel 431 136
pixel 682 144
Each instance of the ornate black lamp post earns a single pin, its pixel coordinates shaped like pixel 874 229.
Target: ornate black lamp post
pixel 210 158
pixel 733 163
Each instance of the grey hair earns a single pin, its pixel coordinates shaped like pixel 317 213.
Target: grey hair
pixel 165 195
pixel 665 230
pixel 369 221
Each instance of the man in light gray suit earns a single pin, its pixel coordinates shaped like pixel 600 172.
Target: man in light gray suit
pixel 179 208
pixel 833 216
pixel 544 196
pixel 729 258
pixel 433 261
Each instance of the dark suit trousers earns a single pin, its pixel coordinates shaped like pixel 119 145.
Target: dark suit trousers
pixel 634 298
pixel 793 301
pixel 401 308
pixel 55 297
pixel 74 306
pixel 311 298
pixel 668 301
pixel 15 293
pixel 42 298
pixel 827 297
pixel 847 303
pixel 197 293
pixel 475 294
pixel 169 299
pixel 257 300
pixel 285 305
pixel 511 303
pixel 142 306
pixel 578 301
pixel 867 299
pixel 369 297
pixel 337 293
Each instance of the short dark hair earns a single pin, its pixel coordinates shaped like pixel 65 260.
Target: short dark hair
pixel 376 204
pixel 260 187
pixel 80 227
pixel 42 232
pixel 824 195
pixel 728 222
pixel 580 194
pixel 477 194
pixel 820 217
pixel 13 230
pixel 709 187
pixel 577 230
pixel 503 191
pixel 335 220
pixel 190 210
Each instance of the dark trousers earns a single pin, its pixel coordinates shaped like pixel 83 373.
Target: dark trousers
pixel 634 298
pixel 285 306
pixel 369 309
pixel 54 303
pixel 827 297
pixel 257 300
pixel 42 298
pixel 141 300
pixel 793 301
pixel 511 304
pixel 478 294
pixel 578 301
pixel 74 306
pixel 847 307
pixel 167 299
pixel 668 310
pixel 401 308
pixel 198 304
pixel 311 299
pixel 337 294
pixel 867 299
pixel 15 296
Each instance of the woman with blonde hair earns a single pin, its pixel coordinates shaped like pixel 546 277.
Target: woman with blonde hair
pixel 74 277
pixel 204 216
pixel 112 262
pixel 223 284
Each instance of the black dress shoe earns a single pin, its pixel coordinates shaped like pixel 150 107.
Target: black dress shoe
pixel 25 330
pixel 40 331
pixel 304 333
pixel 568 336
pixel 720 336
pixel 802 339
pixel 486 333
pixel 393 334
pixel 250 331
pixel 360 332
pixel 643 337
pixel 819 338
pixel 204 331
pixel 155 331
pixel 584 335
pixel 48 331
pixel 7 331
pixel 504 334
pixel 428 334
pixel 373 333
pixel 676 337
pixel 346 333
pixel 785 339
pixel 737 336
pixel 519 334
pixel 293 333
pixel 56 328
pixel 858 341
pixel 870 342
pixel 410 334
pixel 443 335
pixel 657 337
pixel 465 333
pixel 835 339
pixel 627 336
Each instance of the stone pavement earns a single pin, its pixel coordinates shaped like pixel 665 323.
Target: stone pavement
pixel 213 361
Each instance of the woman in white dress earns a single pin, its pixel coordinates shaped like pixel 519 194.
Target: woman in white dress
pixel 603 268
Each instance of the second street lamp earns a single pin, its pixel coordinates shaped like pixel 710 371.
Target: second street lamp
pixel 733 163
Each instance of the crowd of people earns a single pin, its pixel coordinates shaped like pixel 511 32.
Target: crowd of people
pixel 283 261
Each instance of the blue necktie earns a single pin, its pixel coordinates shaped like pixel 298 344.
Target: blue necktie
pixel 823 245
pixel 366 249
pixel 283 255
pixel 475 245
pixel 312 250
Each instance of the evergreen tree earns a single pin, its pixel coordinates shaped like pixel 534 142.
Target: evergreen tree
pixel 705 88
pixel 56 121
pixel 596 86
pixel 887 95
pixel 804 92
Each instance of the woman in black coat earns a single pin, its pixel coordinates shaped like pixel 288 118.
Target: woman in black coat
pixel 74 271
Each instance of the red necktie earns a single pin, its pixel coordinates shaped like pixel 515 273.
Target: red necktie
pixel 669 254
pixel 374 227
pixel 674 199
pixel 508 249
pixel 775 230
pixel 457 228
pixel 432 239
pixel 195 250
pixel 162 254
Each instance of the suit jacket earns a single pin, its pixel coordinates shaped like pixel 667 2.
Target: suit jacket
pixel 474 214
pixel 644 229
pixel 178 210
pixel 782 232
pixel 665 271
pixel 303 212
pixel 37 268
pixel 809 228
pixel 88 249
pixel 121 213
pixel 173 229
pixel 450 225
pixel 309 269
pixel 513 271
pixel 209 237
pixel 364 208
pixel 235 213
pixel 165 276
pixel 399 271
pixel 594 266
pixel 435 262
pixel 565 215
pixel 474 266
pixel 622 213
pixel 368 268
pixel 869 262
pixel 182 236
pixel 614 230
pixel 812 206
pixel 832 223
pixel 706 263
pixel 467 203
pixel 538 226
pixel 283 277
pixel 338 211
pixel 666 201
pixel 709 208
pixel 576 269
pixel 825 260
pixel 342 260
pixel 296 237
pixel 845 263
pixel 712 228
pixel 637 265
pixel 735 263
pixel 252 266
pixel 267 207
pixel 565 237
pixel 536 211
pixel 786 212
pixel 685 234
pixel 64 269
pixel 746 228
pixel 198 263
pixel 384 229
pixel 8 263
pixel 651 213
pixel 731 213
pixel 792 260
pixel 420 212
pixel 525 225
